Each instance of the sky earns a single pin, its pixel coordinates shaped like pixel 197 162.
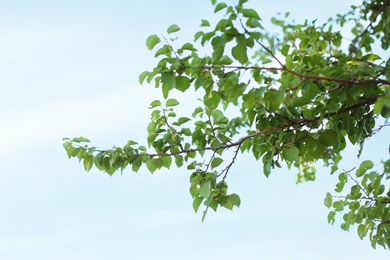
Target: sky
pixel 70 68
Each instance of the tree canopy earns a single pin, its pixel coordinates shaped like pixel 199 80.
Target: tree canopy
pixel 294 97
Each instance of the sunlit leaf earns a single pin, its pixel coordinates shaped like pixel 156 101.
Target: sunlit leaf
pixel 151 41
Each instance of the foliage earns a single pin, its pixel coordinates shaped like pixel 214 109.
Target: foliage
pixel 299 98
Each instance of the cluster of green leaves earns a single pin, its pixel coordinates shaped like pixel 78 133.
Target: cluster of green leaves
pixel 305 97
pixel 367 204
pixel 204 188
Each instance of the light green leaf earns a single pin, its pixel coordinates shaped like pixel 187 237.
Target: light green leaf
pixel 182 83
pixel 183 120
pixel 219 7
pixel 179 161
pixel 142 76
pixel 155 103
pixel 204 190
pixel 151 165
pixel 167 161
pixel 204 214
pixel 250 13
pixel 331 218
pixel 173 28
pixel 80 140
pixel 328 200
pixel 196 203
pixel 158 162
pixel 171 102
pixel 151 41
pixel 239 52
pixel 88 162
pixel 364 166
pixel 234 199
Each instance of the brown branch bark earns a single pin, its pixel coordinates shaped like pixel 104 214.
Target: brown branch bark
pixel 300 75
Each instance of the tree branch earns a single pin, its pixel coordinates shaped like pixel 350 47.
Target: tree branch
pixel 302 76
pixel 294 123
pixel 353 44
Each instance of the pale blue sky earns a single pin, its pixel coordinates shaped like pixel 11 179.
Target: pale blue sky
pixel 70 68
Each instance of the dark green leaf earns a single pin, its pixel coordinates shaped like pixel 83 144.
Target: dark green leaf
pixel 329 138
pixel 216 162
pixel 205 23
pixel 285 49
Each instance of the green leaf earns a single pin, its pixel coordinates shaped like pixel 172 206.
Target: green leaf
pixel 273 99
pixel 362 231
pixel 142 76
pixel 364 166
pixel 205 23
pixel 151 165
pixel 219 7
pixel 204 189
pixel 67 145
pixel 155 103
pixel 204 214
pixel 367 164
pixel 171 102
pixel 188 46
pixel 151 127
pixel 250 13
pixel 239 51
pixel 167 161
pixel 234 199
pixel 216 162
pixel 196 203
pixel 179 161
pixel 173 28
pixel 328 200
pixel 183 120
pixel 225 60
pixel 169 82
pixel 136 164
pixel 80 140
pixel 151 41
pixel 291 154
pixel 88 162
pixel 331 218
pixel 329 138
pixel 182 83
pixel 196 179
pixel 285 50
pixel 267 162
